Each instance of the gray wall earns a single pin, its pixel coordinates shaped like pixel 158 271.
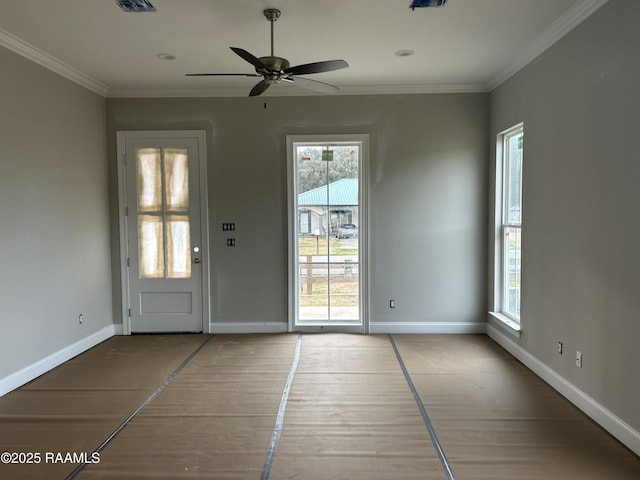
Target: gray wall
pixel 54 240
pixel 579 103
pixel 428 191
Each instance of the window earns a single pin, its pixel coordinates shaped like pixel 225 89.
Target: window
pixel 163 213
pixel 510 242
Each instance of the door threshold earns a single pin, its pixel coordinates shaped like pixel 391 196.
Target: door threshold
pixel 341 328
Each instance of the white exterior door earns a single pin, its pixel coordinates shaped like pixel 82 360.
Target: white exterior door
pixel 164 254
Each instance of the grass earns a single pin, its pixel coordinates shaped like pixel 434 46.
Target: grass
pixel 320 246
pixel 342 294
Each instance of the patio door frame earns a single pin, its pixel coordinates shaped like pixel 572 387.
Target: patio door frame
pixel 363 229
pixel 123 211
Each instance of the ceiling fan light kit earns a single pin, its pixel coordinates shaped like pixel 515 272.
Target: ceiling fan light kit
pixel 274 70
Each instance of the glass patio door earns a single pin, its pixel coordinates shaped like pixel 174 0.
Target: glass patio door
pixel 327 232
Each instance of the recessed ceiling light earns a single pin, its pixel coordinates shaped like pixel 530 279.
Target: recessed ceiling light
pixel 166 56
pixel 404 53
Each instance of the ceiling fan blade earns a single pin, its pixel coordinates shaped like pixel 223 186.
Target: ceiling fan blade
pixel 259 88
pixel 249 58
pixel 316 67
pixel 313 85
pixel 222 75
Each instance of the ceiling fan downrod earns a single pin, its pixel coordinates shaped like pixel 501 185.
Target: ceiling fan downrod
pixel 272 14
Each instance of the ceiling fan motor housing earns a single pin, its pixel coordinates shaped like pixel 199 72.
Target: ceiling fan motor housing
pixel 274 64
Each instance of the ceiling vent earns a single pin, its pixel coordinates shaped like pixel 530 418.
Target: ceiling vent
pixel 136 6
pixel 426 3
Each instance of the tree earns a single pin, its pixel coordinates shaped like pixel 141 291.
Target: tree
pixel 313 172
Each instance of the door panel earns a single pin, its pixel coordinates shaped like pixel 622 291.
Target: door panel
pixel 164 240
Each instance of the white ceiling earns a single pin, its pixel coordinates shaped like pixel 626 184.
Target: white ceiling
pixel 465 46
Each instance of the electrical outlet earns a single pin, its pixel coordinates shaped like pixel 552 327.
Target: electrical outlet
pixel 231 242
pixel 392 304
pixel 578 359
pixel 229 227
pixel 560 348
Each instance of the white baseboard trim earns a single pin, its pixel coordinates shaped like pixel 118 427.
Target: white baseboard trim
pixel 248 327
pixel 606 419
pixel 118 329
pixel 428 327
pixel 374 328
pixel 19 378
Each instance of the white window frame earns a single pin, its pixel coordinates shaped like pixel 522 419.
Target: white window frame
pixel 503 222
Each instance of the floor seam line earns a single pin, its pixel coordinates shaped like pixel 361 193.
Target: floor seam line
pixel 423 411
pixel 277 430
pixel 135 413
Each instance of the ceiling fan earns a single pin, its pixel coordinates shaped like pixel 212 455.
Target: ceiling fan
pixel 274 69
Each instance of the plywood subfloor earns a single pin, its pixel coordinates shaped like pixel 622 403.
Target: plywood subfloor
pixel 350 413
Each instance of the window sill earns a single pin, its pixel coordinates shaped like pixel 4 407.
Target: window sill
pixel 511 326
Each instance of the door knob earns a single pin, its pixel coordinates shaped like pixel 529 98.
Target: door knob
pixel 196 260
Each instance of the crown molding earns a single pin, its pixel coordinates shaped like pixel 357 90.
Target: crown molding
pixel 285 92
pixel 177 92
pixel 409 89
pixel 558 29
pixel 36 55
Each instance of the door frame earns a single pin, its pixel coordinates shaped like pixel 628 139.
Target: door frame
pixel 363 228
pixel 121 140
